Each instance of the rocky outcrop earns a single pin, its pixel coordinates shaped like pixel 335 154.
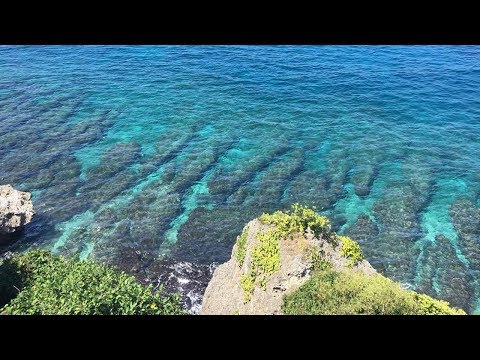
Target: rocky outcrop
pixel 225 295
pixel 5 256
pixel 16 209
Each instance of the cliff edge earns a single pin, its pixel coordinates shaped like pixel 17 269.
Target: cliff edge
pixel 292 262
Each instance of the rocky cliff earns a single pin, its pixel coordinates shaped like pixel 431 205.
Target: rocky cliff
pixel 233 289
pixel 16 209
pixel 293 262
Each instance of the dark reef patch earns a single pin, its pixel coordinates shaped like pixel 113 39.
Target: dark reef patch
pixel 445 276
pixel 466 219
pixel 208 235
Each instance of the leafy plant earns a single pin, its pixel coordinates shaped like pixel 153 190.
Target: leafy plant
pixel 266 255
pixel 430 306
pixel 350 249
pixel 350 292
pixel 47 284
pixel 298 219
pixel 317 259
pixel 242 246
pixel 265 261
pixel 247 282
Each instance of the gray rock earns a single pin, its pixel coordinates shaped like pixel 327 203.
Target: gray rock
pixel 5 256
pixel 16 209
pixel 225 296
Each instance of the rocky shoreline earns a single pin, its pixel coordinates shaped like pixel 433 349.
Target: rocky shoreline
pixel 274 256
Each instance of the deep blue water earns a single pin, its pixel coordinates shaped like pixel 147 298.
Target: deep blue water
pixel 154 158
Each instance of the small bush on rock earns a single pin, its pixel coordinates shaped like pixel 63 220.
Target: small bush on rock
pixel 266 256
pixel 298 219
pixel 350 249
pixel 242 246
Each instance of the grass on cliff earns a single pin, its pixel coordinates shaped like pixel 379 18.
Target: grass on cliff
pixel 338 292
pixel 39 283
pixel 348 292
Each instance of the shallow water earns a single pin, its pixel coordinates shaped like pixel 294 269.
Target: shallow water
pixel 154 158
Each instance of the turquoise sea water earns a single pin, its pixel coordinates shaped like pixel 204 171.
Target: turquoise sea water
pixel 154 157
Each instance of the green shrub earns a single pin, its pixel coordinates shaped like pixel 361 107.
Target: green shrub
pixel 247 282
pixel 242 246
pixel 47 284
pixel 349 292
pixel 298 219
pixel 265 261
pixel 266 256
pixel 350 249
pixel 281 220
pixel 317 259
pixel 11 281
pixel 431 306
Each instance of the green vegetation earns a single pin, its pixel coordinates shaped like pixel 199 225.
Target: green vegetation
pixel 348 292
pixel 247 282
pixel 40 283
pixel 350 249
pixel 298 219
pixel 318 261
pixel 427 305
pixel 265 261
pixel 330 291
pixel 242 246
pixel 266 255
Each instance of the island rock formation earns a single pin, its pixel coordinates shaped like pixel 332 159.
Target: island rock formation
pixel 226 295
pixel 16 209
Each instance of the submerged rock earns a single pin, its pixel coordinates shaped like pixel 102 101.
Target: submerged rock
pixel 16 209
pixel 445 276
pixel 188 279
pixel 5 256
